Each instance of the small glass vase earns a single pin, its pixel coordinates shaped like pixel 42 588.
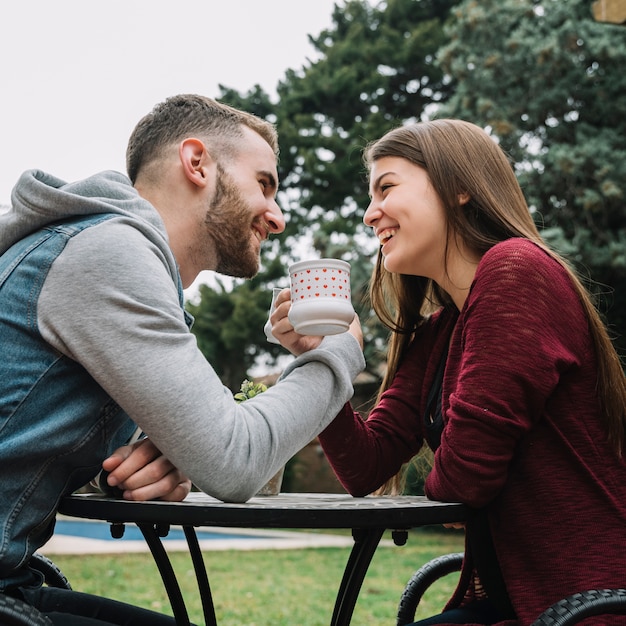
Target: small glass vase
pixel 273 485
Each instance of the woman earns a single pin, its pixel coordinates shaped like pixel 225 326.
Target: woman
pixel 499 361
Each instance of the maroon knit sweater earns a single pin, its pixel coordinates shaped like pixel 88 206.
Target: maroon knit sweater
pixel 522 438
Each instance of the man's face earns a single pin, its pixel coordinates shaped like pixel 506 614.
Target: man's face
pixel 229 219
pixel 242 211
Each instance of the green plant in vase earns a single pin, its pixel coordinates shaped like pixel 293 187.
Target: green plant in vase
pixel 249 390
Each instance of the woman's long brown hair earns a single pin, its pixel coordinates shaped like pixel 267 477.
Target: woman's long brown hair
pixel 460 158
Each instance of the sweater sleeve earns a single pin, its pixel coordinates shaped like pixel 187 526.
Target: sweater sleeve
pixel 522 329
pixel 109 302
pixel 365 454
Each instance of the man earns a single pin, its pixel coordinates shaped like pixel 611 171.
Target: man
pixel 97 345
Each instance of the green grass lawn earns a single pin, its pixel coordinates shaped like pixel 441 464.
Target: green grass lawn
pixel 272 587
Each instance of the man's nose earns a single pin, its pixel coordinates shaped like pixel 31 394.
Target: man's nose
pixel 274 218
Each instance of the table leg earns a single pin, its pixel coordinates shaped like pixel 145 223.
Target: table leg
pixel 168 576
pixel 365 544
pixel 201 576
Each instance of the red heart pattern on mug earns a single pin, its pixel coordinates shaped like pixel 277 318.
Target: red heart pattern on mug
pixel 323 282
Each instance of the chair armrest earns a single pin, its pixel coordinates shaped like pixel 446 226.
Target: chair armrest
pixel 52 575
pixel 421 580
pixel 19 613
pixel 579 606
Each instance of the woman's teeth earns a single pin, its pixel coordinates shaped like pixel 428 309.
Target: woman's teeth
pixel 385 236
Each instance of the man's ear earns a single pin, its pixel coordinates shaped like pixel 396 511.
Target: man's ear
pixel 195 160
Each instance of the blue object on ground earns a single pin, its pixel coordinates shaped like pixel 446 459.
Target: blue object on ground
pixel 101 530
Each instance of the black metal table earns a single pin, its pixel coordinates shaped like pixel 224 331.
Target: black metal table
pixel 368 518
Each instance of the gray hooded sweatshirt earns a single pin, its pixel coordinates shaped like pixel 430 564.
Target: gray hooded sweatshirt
pixel 110 301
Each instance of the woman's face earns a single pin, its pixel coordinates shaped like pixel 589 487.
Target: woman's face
pixel 408 218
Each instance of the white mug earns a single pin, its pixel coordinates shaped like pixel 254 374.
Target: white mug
pixel 320 297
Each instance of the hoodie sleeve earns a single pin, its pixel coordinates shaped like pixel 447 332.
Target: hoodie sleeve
pixel 109 303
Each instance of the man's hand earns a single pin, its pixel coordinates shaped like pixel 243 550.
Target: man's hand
pixel 283 330
pixel 143 473
pixel 297 344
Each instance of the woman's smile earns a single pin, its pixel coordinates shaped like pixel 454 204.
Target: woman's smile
pixel 386 234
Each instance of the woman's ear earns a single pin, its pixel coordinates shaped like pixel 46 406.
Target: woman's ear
pixel 194 159
pixel 464 198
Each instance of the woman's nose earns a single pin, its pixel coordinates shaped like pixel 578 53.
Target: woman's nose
pixel 274 218
pixel 371 215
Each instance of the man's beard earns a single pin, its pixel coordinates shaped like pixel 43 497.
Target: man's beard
pixel 229 221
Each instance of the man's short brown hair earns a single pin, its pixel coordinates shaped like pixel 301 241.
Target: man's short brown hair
pixel 189 115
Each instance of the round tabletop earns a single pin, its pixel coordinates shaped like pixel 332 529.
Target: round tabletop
pixel 286 510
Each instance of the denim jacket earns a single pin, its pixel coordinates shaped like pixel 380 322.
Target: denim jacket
pixel 52 411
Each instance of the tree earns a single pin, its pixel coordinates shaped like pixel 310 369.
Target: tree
pixel 548 81
pixel 376 69
pixel 541 75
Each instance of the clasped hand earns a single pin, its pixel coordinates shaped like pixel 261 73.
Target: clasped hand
pixel 143 473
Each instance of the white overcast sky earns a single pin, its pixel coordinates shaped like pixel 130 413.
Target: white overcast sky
pixel 77 75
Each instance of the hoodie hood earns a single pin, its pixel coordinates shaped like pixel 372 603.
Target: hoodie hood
pixel 39 199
